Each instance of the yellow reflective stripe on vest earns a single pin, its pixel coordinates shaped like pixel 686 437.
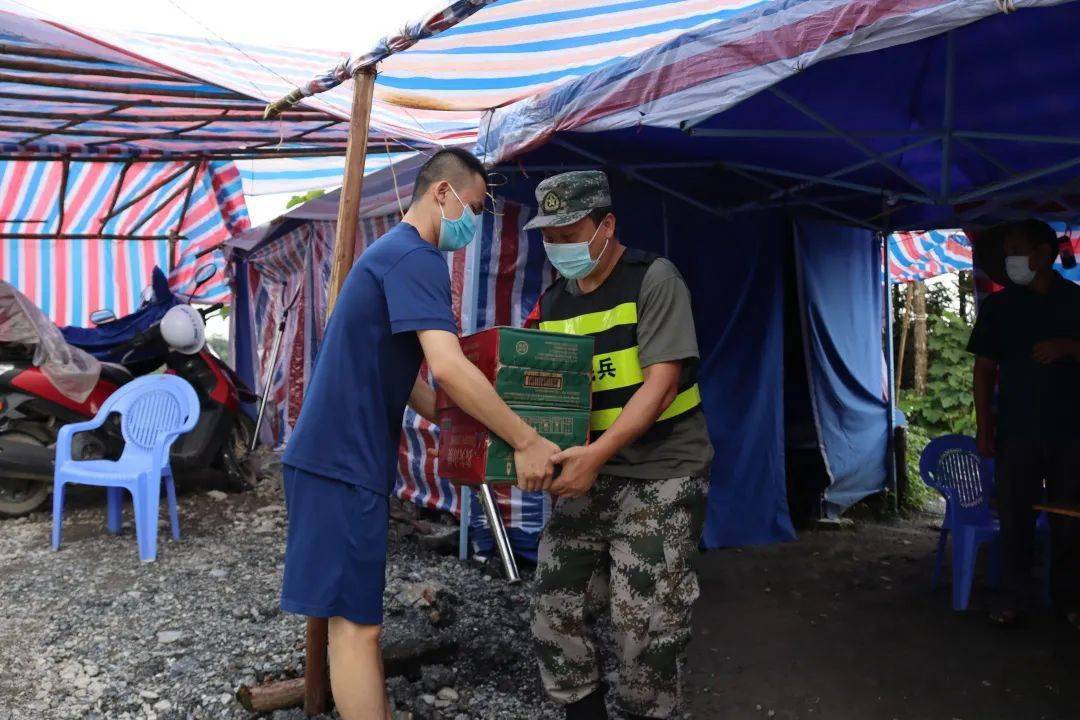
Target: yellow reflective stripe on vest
pixel 685 401
pixel 593 323
pixel 617 369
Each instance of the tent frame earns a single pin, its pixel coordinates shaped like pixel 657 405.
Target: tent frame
pixel 916 192
pixel 173 237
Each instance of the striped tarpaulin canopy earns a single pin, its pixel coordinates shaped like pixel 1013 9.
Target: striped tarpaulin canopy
pixel 915 256
pixel 98 208
pixel 269 176
pixel 703 71
pixel 499 52
pixel 88 92
pixel 938 110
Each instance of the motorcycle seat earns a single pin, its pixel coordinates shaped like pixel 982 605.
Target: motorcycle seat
pixel 116 374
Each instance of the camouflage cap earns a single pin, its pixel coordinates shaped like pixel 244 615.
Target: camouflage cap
pixel 564 199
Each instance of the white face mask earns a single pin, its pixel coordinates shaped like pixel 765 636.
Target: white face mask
pixel 1018 268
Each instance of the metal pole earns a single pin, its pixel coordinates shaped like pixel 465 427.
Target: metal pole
pixel 269 374
pixel 890 460
pixel 286 308
pixel 498 531
pixel 463 522
pixel 950 114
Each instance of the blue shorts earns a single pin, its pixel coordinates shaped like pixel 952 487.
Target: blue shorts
pixel 335 555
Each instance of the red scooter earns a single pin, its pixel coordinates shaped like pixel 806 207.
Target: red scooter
pixel 32 410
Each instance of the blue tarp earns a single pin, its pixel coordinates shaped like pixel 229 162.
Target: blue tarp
pixel 109 342
pixel 1013 92
pixel 737 287
pixel 840 287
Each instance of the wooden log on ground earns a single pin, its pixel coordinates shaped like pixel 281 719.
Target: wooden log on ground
pixel 272 696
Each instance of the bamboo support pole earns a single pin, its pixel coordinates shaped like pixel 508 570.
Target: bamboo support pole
pixel 353 185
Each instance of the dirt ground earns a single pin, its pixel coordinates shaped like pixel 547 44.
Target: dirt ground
pixel 839 625
pixel 843 625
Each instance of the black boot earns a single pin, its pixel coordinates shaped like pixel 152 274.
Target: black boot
pixel 590 707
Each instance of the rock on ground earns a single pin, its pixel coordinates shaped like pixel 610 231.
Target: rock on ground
pixel 91 632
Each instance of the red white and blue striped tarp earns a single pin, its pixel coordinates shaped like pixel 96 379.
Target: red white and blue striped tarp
pixel 89 92
pixel 702 71
pixel 499 52
pixel 916 256
pixel 495 281
pixel 69 278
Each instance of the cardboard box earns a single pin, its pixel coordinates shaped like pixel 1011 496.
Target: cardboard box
pixel 532 349
pixel 470 454
pixel 531 368
pixel 537 388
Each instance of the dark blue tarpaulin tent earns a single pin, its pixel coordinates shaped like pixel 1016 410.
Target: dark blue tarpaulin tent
pixel 767 147
pixel 798 136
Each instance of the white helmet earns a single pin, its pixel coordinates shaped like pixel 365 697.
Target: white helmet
pixel 183 329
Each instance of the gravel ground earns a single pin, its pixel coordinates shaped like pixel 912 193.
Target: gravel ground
pixel 839 625
pixel 91 632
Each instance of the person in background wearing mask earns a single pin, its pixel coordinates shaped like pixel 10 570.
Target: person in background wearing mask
pixel 631 503
pixel 393 312
pixel 1026 340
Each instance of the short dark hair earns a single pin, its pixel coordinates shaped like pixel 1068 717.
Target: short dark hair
pixel 446 163
pixel 598 214
pixel 1035 232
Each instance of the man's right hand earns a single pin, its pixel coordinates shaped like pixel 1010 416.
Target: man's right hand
pixel 533 463
pixel 984 439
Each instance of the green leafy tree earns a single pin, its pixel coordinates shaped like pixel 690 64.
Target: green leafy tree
pixel 303 198
pixel 947 406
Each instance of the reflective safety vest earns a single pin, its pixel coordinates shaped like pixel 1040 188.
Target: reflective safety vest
pixel 610 314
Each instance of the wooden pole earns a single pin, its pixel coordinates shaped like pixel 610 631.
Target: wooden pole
pixel 316 677
pixel 353 185
pixel 920 338
pixel 905 323
pixel 316 669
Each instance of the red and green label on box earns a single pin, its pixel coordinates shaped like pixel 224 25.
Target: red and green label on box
pixel 544 377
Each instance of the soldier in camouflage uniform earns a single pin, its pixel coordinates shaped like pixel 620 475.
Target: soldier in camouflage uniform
pixel 629 505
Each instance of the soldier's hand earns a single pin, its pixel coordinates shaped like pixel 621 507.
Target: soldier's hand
pixel 579 467
pixel 534 464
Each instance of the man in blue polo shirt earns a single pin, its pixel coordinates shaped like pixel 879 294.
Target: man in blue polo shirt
pixel 394 311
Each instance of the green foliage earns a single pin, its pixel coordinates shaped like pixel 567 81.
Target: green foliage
pixel 918 494
pixel 947 406
pixel 303 198
pixel 220 346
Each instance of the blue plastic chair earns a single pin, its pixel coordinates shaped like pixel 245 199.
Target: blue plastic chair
pixel 951 465
pixel 154 410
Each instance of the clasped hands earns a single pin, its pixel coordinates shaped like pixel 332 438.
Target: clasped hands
pixel 564 473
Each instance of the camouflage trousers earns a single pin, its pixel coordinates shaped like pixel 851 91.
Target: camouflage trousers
pixel 631 540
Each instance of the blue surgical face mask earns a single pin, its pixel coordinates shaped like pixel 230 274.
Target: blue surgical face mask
pixel 573 260
pixel 456 234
